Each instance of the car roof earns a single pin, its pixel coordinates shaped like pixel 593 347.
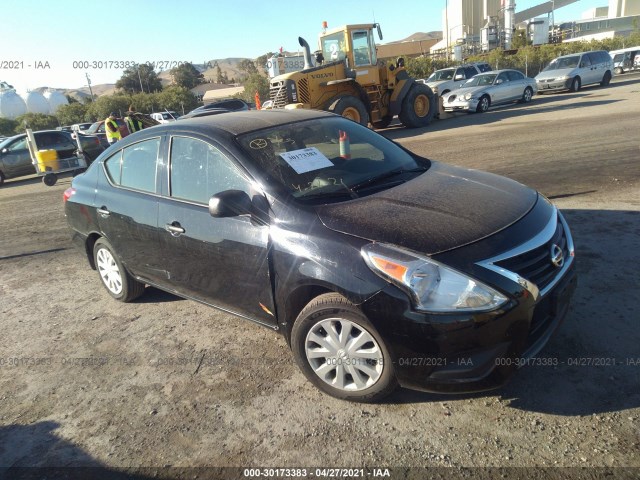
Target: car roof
pixel 237 123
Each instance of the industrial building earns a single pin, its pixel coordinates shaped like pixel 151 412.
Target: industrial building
pixel 473 26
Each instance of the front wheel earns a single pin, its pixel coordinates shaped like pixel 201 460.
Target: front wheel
pixel 606 80
pixel 1 179
pixel 353 109
pixel 575 84
pixel 340 352
pixel 115 278
pixel 618 71
pixel 483 104
pixel 418 107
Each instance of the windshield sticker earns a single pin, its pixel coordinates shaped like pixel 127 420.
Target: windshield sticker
pixel 306 160
pixel 258 143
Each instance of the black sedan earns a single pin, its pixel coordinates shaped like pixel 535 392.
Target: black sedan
pixel 378 266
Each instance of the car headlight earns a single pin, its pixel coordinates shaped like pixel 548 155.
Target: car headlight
pixel 468 96
pixel 432 286
pixel 562 79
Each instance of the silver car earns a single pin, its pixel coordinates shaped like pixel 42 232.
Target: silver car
pixel 571 72
pixel 492 88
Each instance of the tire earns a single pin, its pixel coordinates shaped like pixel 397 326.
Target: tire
pixel 352 108
pixel 1 179
pixel 113 276
pixel 575 84
pixel 319 327
pixel 618 71
pixel 50 179
pixel 606 80
pixel 483 104
pixel 527 95
pixel 383 123
pixel 419 106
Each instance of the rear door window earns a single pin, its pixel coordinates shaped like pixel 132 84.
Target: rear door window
pixel 513 75
pixel 135 166
pixel 470 72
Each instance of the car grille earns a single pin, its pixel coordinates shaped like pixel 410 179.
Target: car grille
pixel 535 265
pixel 278 94
pixel 303 91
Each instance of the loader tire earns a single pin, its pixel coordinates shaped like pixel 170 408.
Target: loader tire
pixel 353 109
pixel 418 107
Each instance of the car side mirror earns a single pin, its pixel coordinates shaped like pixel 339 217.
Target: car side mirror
pixel 499 81
pixel 230 203
pixel 5 150
pixel 458 77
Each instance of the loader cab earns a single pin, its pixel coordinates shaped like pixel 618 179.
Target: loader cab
pixel 356 45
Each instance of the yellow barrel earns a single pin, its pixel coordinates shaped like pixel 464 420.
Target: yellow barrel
pixel 47 160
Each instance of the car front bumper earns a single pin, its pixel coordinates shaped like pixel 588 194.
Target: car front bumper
pixel 458 104
pixel 549 86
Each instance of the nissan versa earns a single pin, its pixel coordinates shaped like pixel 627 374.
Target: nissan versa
pixel 379 267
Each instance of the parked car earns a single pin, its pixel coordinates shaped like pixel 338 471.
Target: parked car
pixel 165 117
pixel 378 266
pixel 229 104
pixel 81 127
pixel 493 88
pixel 571 72
pixel 98 129
pixel 203 113
pixel 447 79
pixel 266 105
pixel 15 160
pixel 625 60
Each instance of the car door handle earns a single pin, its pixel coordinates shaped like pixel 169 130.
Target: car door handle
pixel 104 212
pixel 174 229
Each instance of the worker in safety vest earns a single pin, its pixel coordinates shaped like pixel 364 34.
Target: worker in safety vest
pixel 132 122
pixel 112 130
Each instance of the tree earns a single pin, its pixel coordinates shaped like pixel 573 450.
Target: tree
pixel 176 98
pixel 141 74
pixel 247 66
pixel 7 127
pixel 35 121
pixel 71 113
pixel 104 105
pixel 186 75
pixel 262 60
pixel 520 39
pixel 71 99
pixel 255 83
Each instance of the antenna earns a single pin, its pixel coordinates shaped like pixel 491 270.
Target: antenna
pixel 373 12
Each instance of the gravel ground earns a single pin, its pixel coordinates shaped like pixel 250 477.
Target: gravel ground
pixel 166 382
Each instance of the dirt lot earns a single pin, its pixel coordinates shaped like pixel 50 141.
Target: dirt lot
pixel 85 380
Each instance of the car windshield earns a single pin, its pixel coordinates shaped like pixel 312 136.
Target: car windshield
pixel 446 74
pixel 564 62
pixel 94 128
pixel 5 142
pixel 329 159
pixel 480 80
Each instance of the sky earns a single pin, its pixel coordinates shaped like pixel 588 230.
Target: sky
pixel 55 44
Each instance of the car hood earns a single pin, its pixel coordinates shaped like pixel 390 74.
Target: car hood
pixel 461 91
pixel 554 73
pixel 436 83
pixel 444 208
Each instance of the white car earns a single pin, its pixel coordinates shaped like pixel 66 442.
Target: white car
pixel 445 80
pixel 493 88
pixel 165 117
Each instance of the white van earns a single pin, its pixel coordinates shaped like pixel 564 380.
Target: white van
pixel 165 117
pixel 625 59
pixel 570 72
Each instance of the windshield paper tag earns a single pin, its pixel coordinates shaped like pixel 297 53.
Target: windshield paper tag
pixel 306 160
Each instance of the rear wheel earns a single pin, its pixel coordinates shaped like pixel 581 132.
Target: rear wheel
pixel 115 278
pixel 353 109
pixel 527 95
pixel 418 107
pixel 483 104
pixel 1 179
pixel 606 80
pixel 340 352
pixel 618 71
pixel 575 84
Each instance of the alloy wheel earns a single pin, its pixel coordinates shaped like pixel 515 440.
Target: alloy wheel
pixel 109 271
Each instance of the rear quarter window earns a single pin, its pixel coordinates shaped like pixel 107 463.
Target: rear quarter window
pixel 135 166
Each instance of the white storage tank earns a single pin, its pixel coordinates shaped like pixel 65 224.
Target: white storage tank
pixel 56 99
pixel 35 102
pixel 11 104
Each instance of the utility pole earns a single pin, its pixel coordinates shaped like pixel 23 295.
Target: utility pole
pixel 446 24
pixel 140 79
pixel 89 84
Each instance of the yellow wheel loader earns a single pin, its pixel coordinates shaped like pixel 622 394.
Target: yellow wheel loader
pixel 349 80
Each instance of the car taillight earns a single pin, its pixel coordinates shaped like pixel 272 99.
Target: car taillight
pixel 68 193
